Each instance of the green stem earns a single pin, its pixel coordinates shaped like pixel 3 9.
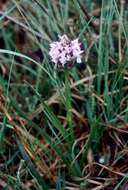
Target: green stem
pixel 68 103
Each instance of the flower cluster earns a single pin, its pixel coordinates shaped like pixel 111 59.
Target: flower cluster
pixel 65 51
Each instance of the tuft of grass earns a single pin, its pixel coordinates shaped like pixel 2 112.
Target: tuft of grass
pixel 63 129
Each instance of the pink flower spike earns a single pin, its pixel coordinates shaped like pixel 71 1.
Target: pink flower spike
pixel 65 51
